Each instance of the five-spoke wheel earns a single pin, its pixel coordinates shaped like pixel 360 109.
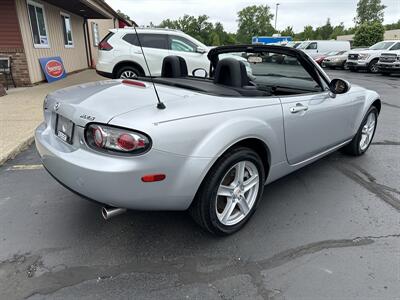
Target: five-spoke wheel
pixel 362 140
pixel 237 193
pixel 230 192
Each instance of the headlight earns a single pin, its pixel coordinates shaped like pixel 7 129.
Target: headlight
pixel 115 140
pixel 363 56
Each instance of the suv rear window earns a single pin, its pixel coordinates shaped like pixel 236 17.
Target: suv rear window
pixel 157 41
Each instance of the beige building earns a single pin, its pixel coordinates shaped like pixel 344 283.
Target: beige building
pixel 33 29
pixel 389 35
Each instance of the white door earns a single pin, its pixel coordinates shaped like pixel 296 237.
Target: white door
pixel 312 48
pixel 181 46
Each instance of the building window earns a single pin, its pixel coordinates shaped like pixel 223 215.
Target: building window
pixel 95 33
pixel 38 25
pixel 67 30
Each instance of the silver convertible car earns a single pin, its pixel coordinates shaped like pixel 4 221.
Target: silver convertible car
pixel 205 144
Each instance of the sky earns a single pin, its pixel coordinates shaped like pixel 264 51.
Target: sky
pixel 296 13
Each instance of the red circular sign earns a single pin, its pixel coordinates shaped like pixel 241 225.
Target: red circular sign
pixel 54 68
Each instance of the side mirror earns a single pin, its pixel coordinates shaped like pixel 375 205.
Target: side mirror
pixel 200 72
pixel 339 86
pixel 201 50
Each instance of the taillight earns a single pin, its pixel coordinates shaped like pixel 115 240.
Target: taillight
pixel 104 45
pixel 116 140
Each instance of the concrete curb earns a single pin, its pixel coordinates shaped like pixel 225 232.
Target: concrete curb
pixel 12 153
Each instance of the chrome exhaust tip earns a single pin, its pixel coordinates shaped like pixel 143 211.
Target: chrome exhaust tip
pixel 108 212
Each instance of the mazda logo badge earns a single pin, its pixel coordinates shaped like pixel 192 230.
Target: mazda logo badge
pixel 57 106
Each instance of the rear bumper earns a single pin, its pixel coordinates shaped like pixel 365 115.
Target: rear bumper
pixel 105 74
pixel 116 181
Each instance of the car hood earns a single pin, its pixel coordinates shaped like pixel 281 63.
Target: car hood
pixel 103 100
pixel 343 56
pixel 367 51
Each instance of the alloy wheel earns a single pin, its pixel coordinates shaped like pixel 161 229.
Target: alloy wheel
pixel 128 74
pixel 367 132
pixel 237 193
pixel 374 68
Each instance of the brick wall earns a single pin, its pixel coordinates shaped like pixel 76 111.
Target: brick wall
pixel 19 66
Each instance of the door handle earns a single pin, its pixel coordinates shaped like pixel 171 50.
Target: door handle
pixel 298 108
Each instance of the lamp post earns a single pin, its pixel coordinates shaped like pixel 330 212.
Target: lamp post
pixel 276 14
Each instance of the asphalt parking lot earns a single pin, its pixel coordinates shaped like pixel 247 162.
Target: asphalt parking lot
pixel 328 231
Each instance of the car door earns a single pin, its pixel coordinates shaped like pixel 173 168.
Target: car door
pixel 312 48
pixel 181 46
pixel 314 121
pixel 317 122
pixel 155 47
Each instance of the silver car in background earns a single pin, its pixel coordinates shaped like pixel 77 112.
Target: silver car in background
pixel 335 60
pixel 210 144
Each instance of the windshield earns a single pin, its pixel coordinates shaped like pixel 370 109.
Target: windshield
pixel 381 46
pixel 303 45
pixel 270 71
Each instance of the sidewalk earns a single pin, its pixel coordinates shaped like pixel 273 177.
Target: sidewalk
pixel 21 112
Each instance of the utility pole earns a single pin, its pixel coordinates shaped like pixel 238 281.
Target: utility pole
pixel 276 15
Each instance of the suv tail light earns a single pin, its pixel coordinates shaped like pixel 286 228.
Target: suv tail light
pixel 115 140
pixel 104 45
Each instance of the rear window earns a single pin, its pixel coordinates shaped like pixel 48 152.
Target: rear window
pixel 157 41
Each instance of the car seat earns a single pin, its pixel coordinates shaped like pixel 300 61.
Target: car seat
pixel 232 72
pixel 174 67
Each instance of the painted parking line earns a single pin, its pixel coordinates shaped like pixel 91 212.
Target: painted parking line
pixel 25 167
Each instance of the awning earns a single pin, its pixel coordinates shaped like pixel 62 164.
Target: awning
pixel 91 9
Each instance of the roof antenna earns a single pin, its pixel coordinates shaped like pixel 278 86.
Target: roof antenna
pixel 160 105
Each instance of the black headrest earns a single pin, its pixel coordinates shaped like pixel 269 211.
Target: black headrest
pixel 231 72
pixel 174 67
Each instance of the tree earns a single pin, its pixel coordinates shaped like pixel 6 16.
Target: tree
pixel 308 33
pixel 288 31
pixel 201 29
pixel 325 31
pixel 124 16
pixel 338 30
pixel 254 20
pixel 368 34
pixel 393 26
pixel 369 11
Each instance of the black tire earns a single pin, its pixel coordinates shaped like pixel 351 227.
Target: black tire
pixel 128 69
pixel 203 208
pixel 353 69
pixel 354 148
pixel 385 73
pixel 372 68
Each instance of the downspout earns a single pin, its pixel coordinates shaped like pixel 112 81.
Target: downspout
pixel 87 43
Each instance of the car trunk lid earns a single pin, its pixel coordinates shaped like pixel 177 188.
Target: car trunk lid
pixel 101 101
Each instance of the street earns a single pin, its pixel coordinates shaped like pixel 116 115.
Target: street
pixel 328 231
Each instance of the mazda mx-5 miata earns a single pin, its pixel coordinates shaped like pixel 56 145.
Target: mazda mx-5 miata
pixel 212 142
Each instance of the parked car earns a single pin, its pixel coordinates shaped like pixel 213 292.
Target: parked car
pixel 335 60
pixel 367 59
pixel 315 48
pixel 121 57
pixel 389 62
pixel 208 145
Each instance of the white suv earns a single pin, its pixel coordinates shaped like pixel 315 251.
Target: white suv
pixel 368 58
pixel 120 55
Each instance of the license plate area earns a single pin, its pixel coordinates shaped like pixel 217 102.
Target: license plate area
pixel 64 129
